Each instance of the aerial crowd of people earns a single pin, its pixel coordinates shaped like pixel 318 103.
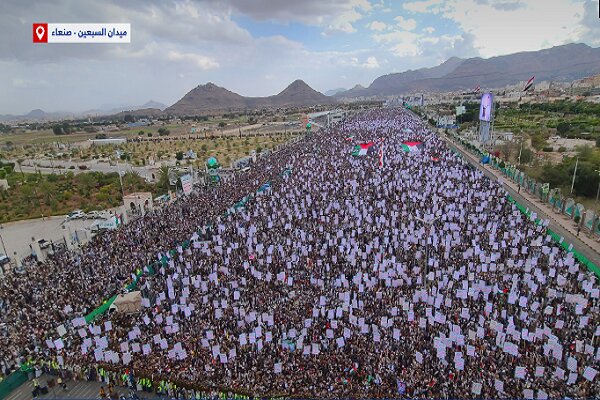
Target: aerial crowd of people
pixel 400 273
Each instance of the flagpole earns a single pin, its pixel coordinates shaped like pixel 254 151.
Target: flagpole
pixel 574 174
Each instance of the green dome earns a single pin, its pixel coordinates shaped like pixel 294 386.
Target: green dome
pixel 212 162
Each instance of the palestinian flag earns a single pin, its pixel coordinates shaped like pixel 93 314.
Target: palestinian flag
pixel 363 149
pixel 411 147
pixel 381 156
pixel 349 138
pixel 529 83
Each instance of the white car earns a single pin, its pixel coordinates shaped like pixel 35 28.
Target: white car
pixel 96 215
pixel 4 259
pixel 77 214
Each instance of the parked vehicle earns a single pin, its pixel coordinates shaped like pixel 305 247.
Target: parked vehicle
pixel 4 259
pixel 96 215
pixel 77 214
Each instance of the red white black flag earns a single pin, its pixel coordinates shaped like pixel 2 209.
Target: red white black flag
pixel 529 83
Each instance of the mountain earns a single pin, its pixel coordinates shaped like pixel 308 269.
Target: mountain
pixel 560 63
pixel 152 104
pixel 37 115
pixel 333 92
pixel 142 112
pixel 112 109
pixel 298 93
pixel 210 98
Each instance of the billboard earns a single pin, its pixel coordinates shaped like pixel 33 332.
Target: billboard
pixel 460 110
pixel 186 183
pixel 485 110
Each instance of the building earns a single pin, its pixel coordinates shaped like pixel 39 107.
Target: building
pixel 109 141
pixel 137 204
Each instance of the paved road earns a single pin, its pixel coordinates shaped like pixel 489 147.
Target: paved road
pixel 144 172
pixel 559 224
pixel 17 235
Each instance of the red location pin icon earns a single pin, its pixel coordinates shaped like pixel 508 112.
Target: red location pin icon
pixel 40 33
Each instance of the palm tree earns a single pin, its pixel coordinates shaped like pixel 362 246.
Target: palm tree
pixel 19 162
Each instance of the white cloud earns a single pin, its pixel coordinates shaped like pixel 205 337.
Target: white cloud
pixel 534 24
pixel 371 63
pixel 377 26
pixel 589 30
pixel 344 20
pixel 200 61
pixel 424 6
pixel 429 29
pixel 404 43
pixel 406 24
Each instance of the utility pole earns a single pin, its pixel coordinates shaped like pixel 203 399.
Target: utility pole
pixel 429 225
pixel 2 240
pixel 574 174
pixel 598 192
pixel 595 221
pixel 520 150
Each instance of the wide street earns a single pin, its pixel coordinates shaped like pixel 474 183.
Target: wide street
pixel 18 235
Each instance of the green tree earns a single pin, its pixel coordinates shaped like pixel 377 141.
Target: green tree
pixel 179 155
pixel 57 129
pixel 86 182
pixel 19 163
pixel 149 134
pixel 563 127
pixel 526 155
pixel 598 141
pixel 163 132
pixel 162 186
pixel 222 124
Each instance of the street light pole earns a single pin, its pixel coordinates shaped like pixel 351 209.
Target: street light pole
pixel 2 240
pixel 574 174
pixel 598 192
pixel 520 150
pixel 429 224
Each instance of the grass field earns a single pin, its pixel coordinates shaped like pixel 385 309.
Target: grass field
pixel 34 195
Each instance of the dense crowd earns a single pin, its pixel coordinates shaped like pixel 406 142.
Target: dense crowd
pixel 396 273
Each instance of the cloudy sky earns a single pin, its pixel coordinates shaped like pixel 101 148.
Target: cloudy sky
pixel 257 47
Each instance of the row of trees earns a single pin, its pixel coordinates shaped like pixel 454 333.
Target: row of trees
pixel 62 129
pixel 586 180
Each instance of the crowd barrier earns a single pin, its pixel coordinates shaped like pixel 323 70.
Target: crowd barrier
pixel 11 382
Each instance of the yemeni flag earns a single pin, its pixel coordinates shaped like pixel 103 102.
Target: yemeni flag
pixel 363 149
pixel 477 89
pixel 412 147
pixel 381 156
pixel 529 83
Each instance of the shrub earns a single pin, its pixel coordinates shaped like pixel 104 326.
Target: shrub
pixel 82 167
pixel 547 149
